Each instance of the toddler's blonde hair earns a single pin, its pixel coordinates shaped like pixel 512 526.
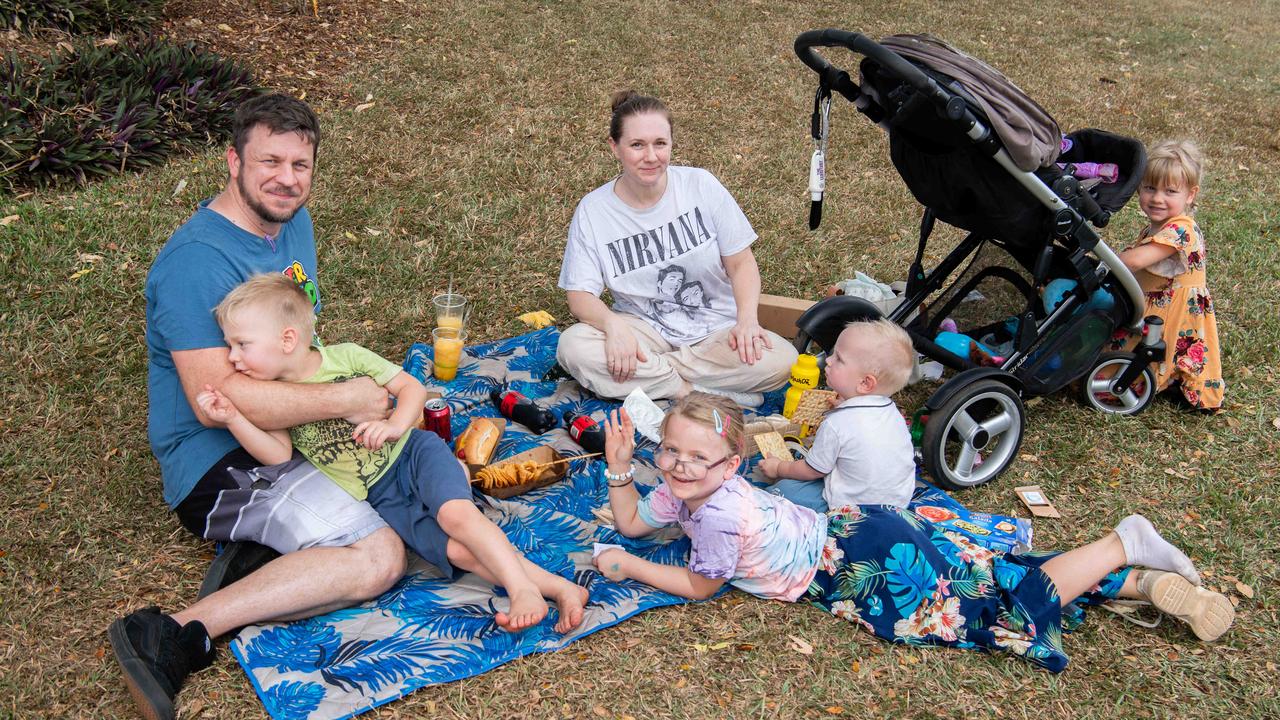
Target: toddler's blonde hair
pixel 885 352
pixel 283 299
pixel 1174 162
pixel 698 407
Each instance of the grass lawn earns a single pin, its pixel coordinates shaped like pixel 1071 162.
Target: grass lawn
pixel 487 125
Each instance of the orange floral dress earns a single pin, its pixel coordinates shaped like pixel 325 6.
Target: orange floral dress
pixel 1178 293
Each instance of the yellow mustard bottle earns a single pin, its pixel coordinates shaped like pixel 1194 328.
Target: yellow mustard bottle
pixel 804 376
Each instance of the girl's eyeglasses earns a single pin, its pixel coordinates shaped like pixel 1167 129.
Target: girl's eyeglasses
pixel 668 459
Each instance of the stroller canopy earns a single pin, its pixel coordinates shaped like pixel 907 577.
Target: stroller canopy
pixel 1028 132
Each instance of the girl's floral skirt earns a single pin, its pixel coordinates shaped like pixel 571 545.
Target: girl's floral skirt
pixel 903 580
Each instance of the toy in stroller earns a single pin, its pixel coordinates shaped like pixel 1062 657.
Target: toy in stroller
pixel 1040 295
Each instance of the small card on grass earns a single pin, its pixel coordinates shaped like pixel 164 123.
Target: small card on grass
pixel 1036 501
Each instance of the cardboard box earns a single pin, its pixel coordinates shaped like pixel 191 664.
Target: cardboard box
pixel 539 455
pixel 779 314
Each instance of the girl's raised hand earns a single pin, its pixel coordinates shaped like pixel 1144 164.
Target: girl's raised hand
pixel 619 441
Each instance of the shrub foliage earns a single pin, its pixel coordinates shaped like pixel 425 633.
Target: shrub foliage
pixel 80 16
pixel 99 110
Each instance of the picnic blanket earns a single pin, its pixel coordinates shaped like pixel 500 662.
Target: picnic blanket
pixel 428 630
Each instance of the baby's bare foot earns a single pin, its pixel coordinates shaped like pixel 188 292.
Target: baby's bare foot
pixel 527 609
pixel 570 600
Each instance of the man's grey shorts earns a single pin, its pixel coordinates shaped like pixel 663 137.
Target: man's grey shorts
pixel 287 507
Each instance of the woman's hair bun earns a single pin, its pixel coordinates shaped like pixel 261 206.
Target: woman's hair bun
pixel 619 97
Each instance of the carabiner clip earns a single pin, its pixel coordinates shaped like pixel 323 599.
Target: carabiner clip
pixel 820 128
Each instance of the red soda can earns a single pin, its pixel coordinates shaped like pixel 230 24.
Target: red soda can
pixel 435 418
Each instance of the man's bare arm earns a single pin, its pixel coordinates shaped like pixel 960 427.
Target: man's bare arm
pixel 277 405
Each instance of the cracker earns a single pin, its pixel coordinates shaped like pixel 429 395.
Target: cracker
pixel 813 407
pixel 771 445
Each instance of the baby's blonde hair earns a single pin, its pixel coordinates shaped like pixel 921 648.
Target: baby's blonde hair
pixel 281 298
pixel 885 352
pixel 698 407
pixel 1174 162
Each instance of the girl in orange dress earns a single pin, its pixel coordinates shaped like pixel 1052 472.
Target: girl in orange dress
pixel 1169 262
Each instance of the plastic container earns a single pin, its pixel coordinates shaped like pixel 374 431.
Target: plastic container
pixel 804 376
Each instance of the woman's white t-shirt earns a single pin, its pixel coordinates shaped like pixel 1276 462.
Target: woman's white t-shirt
pixel 663 263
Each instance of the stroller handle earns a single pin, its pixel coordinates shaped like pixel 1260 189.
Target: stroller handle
pixel 863 45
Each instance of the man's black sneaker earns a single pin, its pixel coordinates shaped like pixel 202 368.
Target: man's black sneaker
pixel 157 654
pixel 237 560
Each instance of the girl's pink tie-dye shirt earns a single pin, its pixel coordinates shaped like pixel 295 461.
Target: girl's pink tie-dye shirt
pixel 758 542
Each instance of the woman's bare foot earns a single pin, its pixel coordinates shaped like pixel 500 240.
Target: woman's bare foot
pixel 570 600
pixel 527 609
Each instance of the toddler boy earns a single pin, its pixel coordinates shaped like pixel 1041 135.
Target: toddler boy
pixel 863 447
pixel 409 476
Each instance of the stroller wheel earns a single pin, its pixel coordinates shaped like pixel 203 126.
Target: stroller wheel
pixel 1099 394
pixel 807 345
pixel 974 436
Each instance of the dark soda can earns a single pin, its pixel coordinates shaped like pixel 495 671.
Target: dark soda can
pixel 436 419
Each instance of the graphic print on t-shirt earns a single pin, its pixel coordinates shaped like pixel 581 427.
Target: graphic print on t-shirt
pixel 328 444
pixel 680 306
pixel 660 244
pixel 298 274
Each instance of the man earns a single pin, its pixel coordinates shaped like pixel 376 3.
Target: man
pixel 337 551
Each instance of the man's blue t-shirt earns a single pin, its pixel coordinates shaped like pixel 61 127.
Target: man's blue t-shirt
pixel 202 261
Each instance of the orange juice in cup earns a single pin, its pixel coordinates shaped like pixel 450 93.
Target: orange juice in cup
pixel 447 343
pixel 451 310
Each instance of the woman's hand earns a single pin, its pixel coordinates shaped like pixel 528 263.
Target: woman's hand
pixel 622 351
pixel 750 340
pixel 619 441
pixel 612 563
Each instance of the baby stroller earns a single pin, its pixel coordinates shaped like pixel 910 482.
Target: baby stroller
pixel 1039 296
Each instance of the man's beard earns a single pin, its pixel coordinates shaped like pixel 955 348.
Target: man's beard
pixel 262 211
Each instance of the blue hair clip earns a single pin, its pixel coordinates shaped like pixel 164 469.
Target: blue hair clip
pixel 722 428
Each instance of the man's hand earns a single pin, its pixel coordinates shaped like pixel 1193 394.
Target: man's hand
pixel 374 433
pixel 216 406
pixel 375 402
pixel 612 563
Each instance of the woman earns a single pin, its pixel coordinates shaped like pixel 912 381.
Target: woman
pixel 645 236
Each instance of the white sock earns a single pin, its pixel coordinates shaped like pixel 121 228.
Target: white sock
pixel 1144 546
pixel 745 399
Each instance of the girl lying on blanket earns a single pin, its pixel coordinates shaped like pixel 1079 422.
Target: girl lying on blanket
pixel 876 566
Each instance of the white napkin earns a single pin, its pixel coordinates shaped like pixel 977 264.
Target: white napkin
pixel 645 414
pixel 601 547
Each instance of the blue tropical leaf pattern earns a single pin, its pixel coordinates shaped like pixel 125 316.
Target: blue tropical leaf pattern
pixel 374 663
pixel 296 646
pixel 911 578
pixel 295 699
pixel 428 630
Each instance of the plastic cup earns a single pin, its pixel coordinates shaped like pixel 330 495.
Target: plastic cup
pixel 447 343
pixel 451 310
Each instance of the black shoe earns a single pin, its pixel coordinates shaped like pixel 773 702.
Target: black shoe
pixel 157 654
pixel 236 561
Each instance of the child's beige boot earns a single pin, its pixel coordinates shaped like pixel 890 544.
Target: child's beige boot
pixel 1209 614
